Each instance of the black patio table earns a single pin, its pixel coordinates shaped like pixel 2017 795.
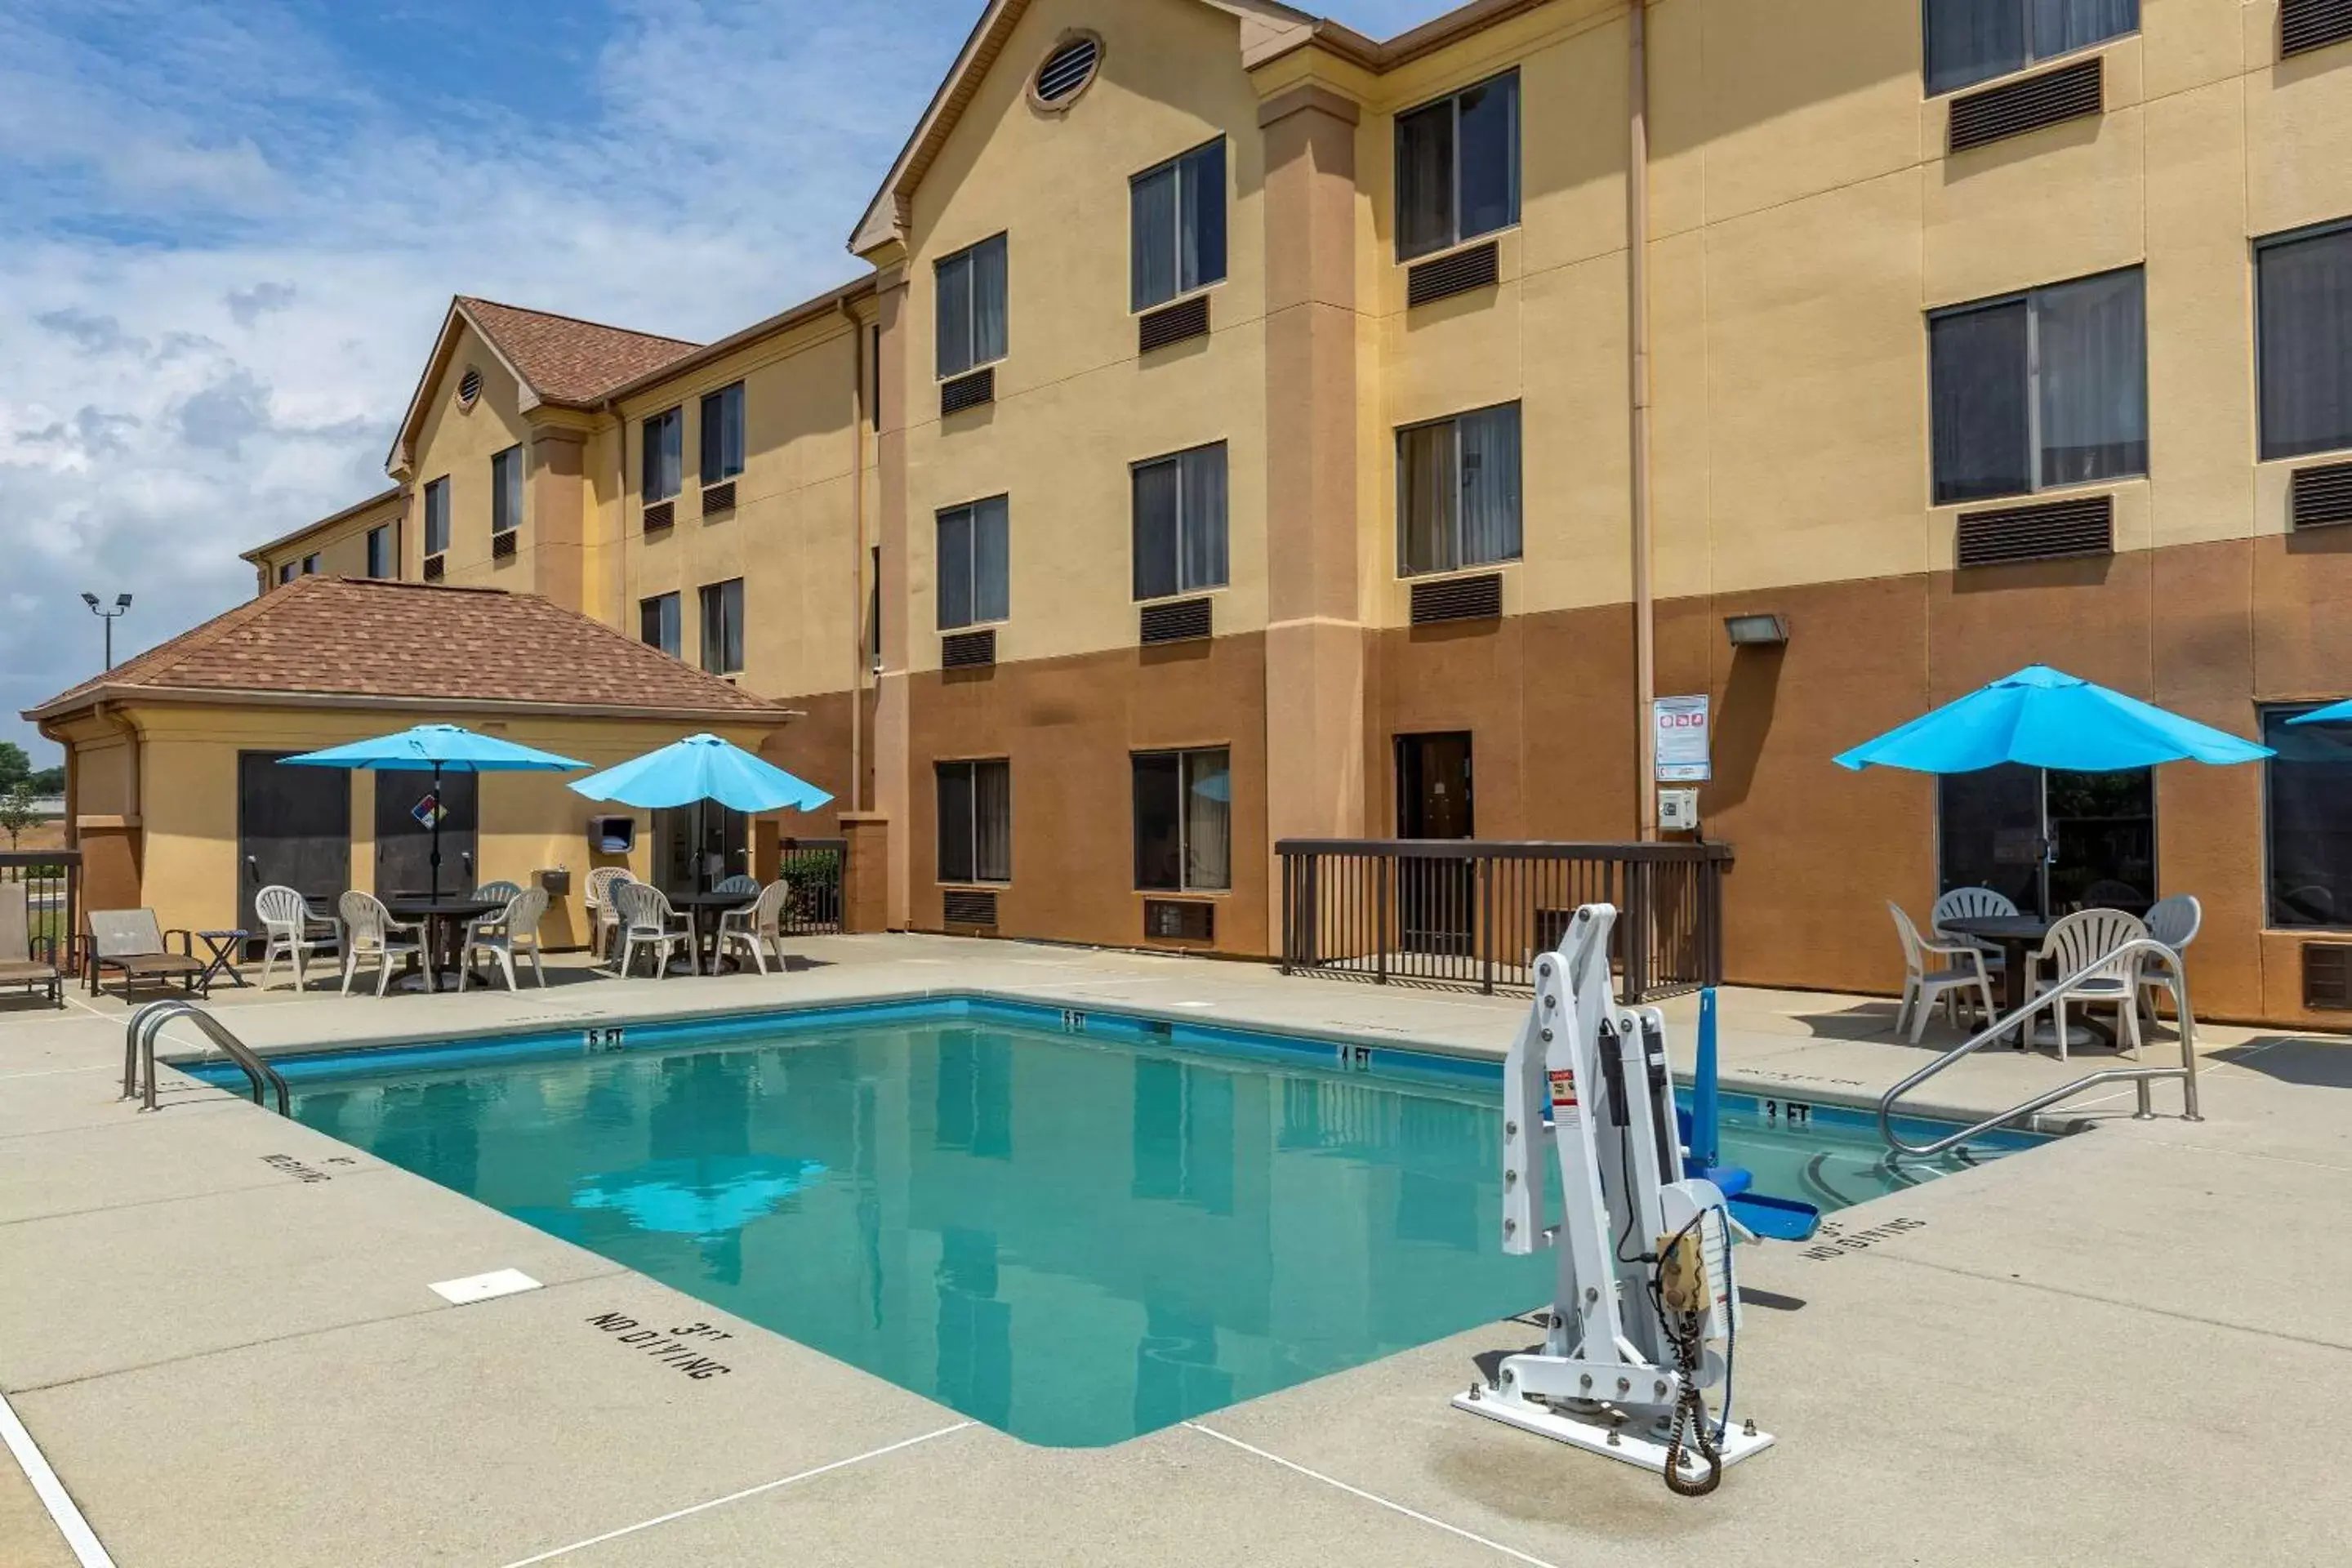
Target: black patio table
pixel 445 919
pixel 2020 938
pixel 692 906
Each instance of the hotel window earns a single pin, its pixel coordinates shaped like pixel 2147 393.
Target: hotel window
pixel 1457 167
pixel 974 563
pixel 310 565
pixel 1458 492
pixel 1176 227
pixel 722 434
pixel 2303 312
pixel 379 552
pixel 1970 41
pixel 2307 820
pixel 663 455
pixel 286 572
pixel 657 623
pixel 1184 821
pixel 975 821
pixel 971 306
pixel 1179 522
pixel 2040 389
pixel 723 627
pixel 437 515
pixel 506 491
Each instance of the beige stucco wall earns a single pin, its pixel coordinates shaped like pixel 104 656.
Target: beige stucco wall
pixel 340 543
pixel 458 442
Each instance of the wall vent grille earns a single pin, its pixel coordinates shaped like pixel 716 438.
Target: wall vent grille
pixel 2014 108
pixel 502 545
pixel 659 515
pixel 2306 24
pixel 968 391
pixel 2322 498
pixel 2053 531
pixel 1180 920
pixel 966 907
pixel 968 650
pixel 1183 320
pixel 433 566
pixel 719 498
pixel 1456 273
pixel 1458 599
pixel 1185 620
pixel 2327 976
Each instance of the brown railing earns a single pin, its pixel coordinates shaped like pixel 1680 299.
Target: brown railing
pixel 52 881
pixel 1469 912
pixel 813 868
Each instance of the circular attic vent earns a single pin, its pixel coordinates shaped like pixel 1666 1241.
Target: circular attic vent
pixel 1069 67
pixel 469 387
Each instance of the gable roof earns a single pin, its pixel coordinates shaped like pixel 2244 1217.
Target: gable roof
pixel 559 361
pixel 364 642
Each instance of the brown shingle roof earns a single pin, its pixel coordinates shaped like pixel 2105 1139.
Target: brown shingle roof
pixel 348 637
pixel 566 360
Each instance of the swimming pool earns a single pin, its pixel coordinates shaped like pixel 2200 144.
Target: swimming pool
pixel 1076 1228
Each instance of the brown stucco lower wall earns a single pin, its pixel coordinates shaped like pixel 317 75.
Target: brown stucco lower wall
pixel 1069 726
pixel 817 748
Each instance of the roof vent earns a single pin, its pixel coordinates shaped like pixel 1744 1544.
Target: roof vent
pixel 469 387
pixel 1069 67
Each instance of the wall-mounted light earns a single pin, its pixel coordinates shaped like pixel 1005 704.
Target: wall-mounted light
pixel 1757 631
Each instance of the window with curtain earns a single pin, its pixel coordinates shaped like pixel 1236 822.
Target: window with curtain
pixel 2307 820
pixel 379 552
pixel 971 306
pixel 975 560
pixel 1179 522
pixel 723 627
pixel 1176 227
pixel 506 491
pixel 2304 323
pixel 663 454
pixel 1458 492
pixel 1184 821
pixel 2038 390
pixel 657 623
pixel 722 434
pixel 437 515
pixel 1457 167
pixel 1970 41
pixel 975 802
pixel 287 570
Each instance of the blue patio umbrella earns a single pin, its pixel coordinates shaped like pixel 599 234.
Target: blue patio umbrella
pixel 2045 718
pixel 697 769
pixel 436 748
pixel 2336 713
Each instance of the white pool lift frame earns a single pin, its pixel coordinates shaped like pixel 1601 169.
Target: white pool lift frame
pixel 1588 1084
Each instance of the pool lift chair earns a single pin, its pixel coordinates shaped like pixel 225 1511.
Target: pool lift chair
pixel 1646 1308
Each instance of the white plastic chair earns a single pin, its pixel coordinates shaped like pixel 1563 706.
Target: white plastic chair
pixel 504 892
pixel 370 932
pixel 758 928
pixel 647 920
pixel 1972 903
pixel 603 914
pixel 1922 986
pixel 740 882
pixel 286 922
pixel 514 928
pixel 2079 941
pixel 2174 922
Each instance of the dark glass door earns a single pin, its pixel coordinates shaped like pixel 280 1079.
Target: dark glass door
pixel 1435 898
pixel 722 834
pixel 2052 842
pixel 293 829
pixel 403 831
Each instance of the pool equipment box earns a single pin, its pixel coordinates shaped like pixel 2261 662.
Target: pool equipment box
pixel 1646 1308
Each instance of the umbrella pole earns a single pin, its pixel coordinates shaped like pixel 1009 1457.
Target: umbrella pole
pixel 434 895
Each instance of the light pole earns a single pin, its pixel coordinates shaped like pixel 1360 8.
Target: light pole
pixel 122 603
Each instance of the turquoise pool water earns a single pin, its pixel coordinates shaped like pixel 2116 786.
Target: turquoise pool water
pixel 1074 1229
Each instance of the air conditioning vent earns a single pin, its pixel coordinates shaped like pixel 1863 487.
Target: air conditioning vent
pixel 967 907
pixel 2306 25
pixel 469 387
pixel 2054 531
pixel 659 515
pixel 2327 976
pixel 1185 620
pixel 1183 320
pixel 1458 599
pixel 433 568
pixel 719 498
pixel 968 650
pixel 502 545
pixel 1179 920
pixel 968 391
pixel 1457 273
pixel 1068 69
pixel 2322 497
pixel 2015 108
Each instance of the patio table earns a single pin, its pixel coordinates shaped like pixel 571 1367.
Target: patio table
pixel 2019 937
pixel 445 919
pixel 692 906
pixel 224 946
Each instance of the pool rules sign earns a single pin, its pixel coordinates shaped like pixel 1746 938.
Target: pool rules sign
pixel 1681 726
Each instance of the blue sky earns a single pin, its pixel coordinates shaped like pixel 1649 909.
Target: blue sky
pixel 231 230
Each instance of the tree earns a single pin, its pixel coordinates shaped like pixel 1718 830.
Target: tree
pixel 15 766
pixel 48 780
pixel 17 812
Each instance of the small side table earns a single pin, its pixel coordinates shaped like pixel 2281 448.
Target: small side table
pixel 224 946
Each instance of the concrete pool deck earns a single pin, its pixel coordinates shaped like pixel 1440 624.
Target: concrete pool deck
pixel 2126 1346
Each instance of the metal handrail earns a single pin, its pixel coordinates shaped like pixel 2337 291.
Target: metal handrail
pixel 2175 978
pixel 139 1046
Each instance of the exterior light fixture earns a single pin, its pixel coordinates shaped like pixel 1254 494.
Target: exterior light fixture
pixel 122 603
pixel 1757 631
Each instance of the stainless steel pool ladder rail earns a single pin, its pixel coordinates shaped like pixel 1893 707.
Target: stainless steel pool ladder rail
pixel 2175 978
pixel 139 1049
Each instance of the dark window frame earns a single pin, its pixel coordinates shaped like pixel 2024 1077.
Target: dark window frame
pixel 661 454
pixel 506 472
pixel 288 571
pixel 1182 171
pixel 1184 758
pixel 969 861
pixel 1184 524
pixel 1514 167
pixel 436 516
pixel 382 558
pixel 720 634
pixel 663 613
pixel 2027 59
pixel 1461 560
pixel 973 352
pixel 722 416
pixel 972 512
pixel 2335 229
pixel 2271 717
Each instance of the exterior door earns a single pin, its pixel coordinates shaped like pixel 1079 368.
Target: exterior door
pixel 726 847
pixel 1436 903
pixel 404 833
pixel 293 829
pixel 2054 842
